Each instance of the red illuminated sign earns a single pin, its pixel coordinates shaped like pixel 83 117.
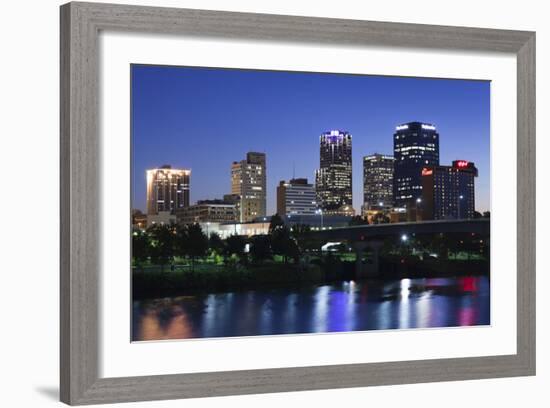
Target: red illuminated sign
pixel 462 163
pixel 427 172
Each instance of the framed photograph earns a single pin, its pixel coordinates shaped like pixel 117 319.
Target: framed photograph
pixel 260 203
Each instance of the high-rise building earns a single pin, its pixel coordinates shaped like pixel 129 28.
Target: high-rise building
pixel 296 197
pixel 415 145
pixel 248 181
pixel 167 189
pixel 333 179
pixel 377 182
pixel 448 191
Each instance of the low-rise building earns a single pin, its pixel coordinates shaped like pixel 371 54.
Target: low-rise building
pixel 316 221
pixel 343 211
pixel 214 211
pixel 226 230
pixel 139 220
pixel 161 218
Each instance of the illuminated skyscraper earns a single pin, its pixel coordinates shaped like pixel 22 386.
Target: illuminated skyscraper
pixel 167 189
pixel 249 182
pixel 448 191
pixel 333 178
pixel 415 145
pixel 377 181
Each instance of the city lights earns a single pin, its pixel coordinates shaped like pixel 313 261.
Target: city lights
pixel 276 226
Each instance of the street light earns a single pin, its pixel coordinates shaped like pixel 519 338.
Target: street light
pixel 320 212
pixel 404 238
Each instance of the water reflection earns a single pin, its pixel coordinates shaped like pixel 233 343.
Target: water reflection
pixel 345 306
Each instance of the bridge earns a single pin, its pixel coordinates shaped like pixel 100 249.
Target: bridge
pixel 363 237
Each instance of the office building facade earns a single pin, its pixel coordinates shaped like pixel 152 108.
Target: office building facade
pixel 415 146
pixel 207 211
pixel 296 197
pixel 249 183
pixel 448 191
pixel 167 189
pixel 333 179
pixel 377 182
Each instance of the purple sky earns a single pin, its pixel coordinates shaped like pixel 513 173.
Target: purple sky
pixel 206 118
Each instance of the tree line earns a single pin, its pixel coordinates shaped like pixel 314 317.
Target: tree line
pixel 160 244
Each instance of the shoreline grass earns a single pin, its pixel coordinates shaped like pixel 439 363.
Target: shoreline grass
pixel 214 278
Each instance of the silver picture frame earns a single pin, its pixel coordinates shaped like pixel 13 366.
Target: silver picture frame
pixel 81 24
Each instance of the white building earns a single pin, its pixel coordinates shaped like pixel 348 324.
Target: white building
pixel 227 229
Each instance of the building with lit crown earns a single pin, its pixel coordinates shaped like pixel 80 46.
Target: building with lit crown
pixel 377 182
pixel 167 189
pixel 415 145
pixel 249 183
pixel 448 191
pixel 333 179
pixel 296 197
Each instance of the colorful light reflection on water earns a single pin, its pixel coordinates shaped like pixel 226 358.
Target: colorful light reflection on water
pixel 341 307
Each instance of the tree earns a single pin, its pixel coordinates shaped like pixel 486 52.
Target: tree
pixel 440 245
pixel 180 241
pixel 486 214
pixel 260 248
pixel 303 237
pixel 357 220
pixel 162 245
pixel 477 214
pixel 293 251
pixel 140 246
pixel 276 223
pixel 234 245
pixel 197 243
pixel 485 247
pixel 216 244
pixel 469 244
pixel 282 243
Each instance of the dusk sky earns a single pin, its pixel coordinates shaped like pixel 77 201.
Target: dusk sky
pixel 203 119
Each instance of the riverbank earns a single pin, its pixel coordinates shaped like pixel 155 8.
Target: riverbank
pixel 153 283
pixel 232 278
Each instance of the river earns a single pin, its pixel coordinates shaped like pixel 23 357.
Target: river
pixel 338 307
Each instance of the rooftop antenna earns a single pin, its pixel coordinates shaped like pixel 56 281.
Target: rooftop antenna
pixel 293 170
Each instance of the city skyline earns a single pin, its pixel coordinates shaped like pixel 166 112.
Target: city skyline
pixel 194 118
